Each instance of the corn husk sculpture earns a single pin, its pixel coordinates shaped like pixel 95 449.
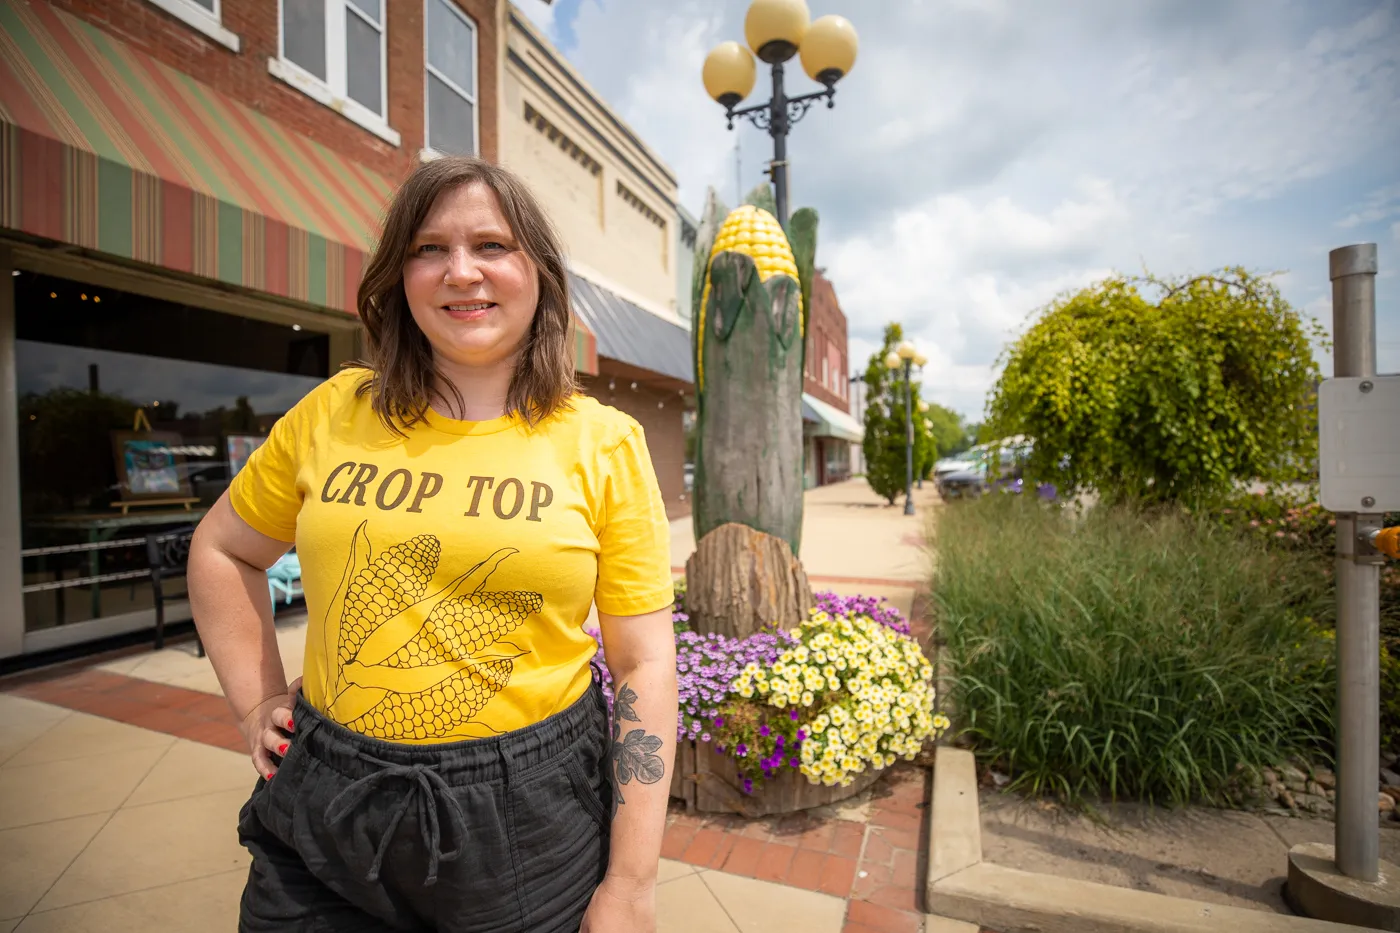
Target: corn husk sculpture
pixel 752 291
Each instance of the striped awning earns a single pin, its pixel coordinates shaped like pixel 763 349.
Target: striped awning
pixel 102 146
pixel 106 148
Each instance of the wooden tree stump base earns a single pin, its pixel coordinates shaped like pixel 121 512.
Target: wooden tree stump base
pixel 708 782
pixel 740 581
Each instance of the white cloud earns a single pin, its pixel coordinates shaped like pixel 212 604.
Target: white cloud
pixel 1381 204
pixel 941 269
pixel 538 12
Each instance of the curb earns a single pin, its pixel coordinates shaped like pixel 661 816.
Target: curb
pixel 962 887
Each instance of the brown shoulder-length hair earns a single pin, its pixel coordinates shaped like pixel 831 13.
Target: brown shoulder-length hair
pixel 404 379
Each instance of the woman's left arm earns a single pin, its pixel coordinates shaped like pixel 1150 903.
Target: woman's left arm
pixel 641 656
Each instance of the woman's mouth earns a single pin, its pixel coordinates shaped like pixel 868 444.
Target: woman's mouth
pixel 468 310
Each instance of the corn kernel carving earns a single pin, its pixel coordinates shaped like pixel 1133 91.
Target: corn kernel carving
pixel 752 294
pixel 416 666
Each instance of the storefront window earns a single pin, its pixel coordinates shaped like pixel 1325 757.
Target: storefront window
pixel 134 413
pixel 838 460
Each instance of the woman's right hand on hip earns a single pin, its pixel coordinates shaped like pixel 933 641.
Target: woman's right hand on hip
pixel 268 729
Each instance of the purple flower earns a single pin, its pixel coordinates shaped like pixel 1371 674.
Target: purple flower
pixel 719 721
pixel 792 714
pixel 779 742
pixel 741 750
pixel 796 763
pixel 704 736
pixel 801 735
pixel 872 606
pixel 748 786
pixel 763 729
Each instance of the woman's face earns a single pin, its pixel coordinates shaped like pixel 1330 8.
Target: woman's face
pixel 471 288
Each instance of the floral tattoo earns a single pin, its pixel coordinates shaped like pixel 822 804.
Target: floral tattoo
pixel 635 754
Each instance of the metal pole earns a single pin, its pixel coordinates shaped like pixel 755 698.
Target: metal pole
pixel 908 438
pixel 778 129
pixel 1353 273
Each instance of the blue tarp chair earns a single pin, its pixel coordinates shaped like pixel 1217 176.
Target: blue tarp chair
pixel 284 579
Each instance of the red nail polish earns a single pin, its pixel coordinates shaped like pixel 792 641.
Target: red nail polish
pixel 271 775
pixel 290 724
pixel 282 749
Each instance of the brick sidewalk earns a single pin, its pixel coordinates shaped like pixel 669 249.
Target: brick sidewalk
pixel 875 866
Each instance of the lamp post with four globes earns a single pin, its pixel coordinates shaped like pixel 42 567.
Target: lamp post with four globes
pixel 777 30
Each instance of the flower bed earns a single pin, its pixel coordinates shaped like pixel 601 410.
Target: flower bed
pixel 846 693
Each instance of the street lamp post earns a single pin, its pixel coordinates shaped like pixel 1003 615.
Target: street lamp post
pixel 906 357
pixel 776 30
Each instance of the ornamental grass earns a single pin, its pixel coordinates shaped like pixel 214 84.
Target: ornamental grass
pixel 1128 653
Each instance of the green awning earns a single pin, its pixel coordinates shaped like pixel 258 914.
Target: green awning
pixel 830 421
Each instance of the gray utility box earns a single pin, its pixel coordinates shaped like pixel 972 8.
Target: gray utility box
pixel 1358 420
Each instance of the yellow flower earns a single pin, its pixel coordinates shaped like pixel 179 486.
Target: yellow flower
pixel 941 722
pixel 808 699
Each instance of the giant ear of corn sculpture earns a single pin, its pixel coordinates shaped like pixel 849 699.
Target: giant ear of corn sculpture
pixel 752 289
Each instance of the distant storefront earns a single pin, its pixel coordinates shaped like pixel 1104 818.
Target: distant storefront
pixel 828 436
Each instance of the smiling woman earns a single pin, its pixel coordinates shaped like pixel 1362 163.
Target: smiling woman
pixel 458 510
pixel 465 231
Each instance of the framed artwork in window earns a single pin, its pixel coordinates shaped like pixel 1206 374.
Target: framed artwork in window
pixel 149 466
pixel 240 447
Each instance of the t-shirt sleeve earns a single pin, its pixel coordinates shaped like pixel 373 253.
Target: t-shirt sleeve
pixel 634 541
pixel 264 493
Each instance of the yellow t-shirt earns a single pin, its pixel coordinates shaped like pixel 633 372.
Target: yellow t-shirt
pixel 448 574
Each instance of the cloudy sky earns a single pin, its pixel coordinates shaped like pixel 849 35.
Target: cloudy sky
pixel 986 155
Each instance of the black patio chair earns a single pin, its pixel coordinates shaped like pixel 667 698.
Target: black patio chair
pixel 169 555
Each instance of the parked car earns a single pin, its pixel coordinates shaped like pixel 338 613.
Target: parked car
pixel 969 476
pixel 966 482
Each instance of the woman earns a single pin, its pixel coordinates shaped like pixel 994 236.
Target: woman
pixel 457 508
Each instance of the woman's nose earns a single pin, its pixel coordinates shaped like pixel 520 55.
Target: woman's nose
pixel 462 268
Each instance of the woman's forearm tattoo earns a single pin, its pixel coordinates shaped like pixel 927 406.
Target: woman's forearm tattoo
pixel 633 755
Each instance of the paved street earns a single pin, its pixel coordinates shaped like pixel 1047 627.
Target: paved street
pixel 120 784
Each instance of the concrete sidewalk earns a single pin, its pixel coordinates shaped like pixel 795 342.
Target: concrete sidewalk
pixel 849 533
pixel 121 780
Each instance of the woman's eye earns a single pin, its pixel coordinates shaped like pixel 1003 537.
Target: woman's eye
pixel 429 248
pixel 492 245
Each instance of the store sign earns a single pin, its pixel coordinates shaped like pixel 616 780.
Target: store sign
pixel 1359 443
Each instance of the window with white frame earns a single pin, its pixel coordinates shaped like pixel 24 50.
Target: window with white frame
pixel 203 15
pixel 334 50
pixel 450 82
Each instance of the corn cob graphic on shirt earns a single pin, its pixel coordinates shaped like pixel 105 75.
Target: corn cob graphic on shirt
pixel 415 664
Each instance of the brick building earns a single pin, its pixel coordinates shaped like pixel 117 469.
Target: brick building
pixel 827 425
pixel 189 190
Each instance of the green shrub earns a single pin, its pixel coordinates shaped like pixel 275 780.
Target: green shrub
pixel 1137 654
pixel 1163 389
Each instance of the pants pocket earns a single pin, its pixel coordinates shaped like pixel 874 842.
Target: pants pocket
pixel 586 792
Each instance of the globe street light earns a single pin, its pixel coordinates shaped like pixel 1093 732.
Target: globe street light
pixel 906 356
pixel 777 30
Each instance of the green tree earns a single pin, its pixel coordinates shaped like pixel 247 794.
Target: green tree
pixel 948 430
pixel 1163 389
pixel 885 429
